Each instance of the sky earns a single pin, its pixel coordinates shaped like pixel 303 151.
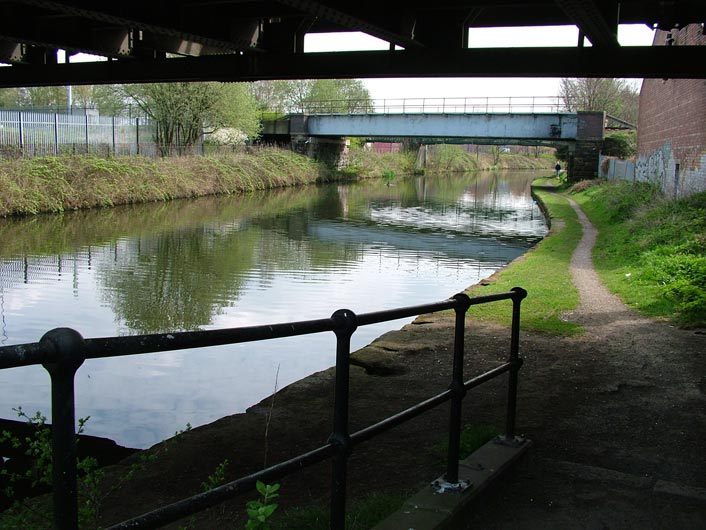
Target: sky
pixel 628 35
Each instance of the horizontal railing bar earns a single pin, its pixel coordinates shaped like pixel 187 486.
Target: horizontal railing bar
pixel 177 510
pixel 423 406
pixel 487 376
pixel 486 298
pixel 138 344
pixel 95 348
pixel 25 355
pixel 376 317
pixel 393 421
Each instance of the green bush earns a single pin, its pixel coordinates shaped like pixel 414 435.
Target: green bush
pixel 681 273
pixel 622 145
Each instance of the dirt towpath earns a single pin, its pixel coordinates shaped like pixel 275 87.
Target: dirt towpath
pixel 620 438
pixel 617 416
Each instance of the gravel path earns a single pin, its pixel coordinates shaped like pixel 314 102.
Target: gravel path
pixel 618 418
pixel 599 307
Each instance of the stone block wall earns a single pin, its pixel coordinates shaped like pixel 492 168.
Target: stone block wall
pixel 584 159
pixel 671 139
pixel 332 151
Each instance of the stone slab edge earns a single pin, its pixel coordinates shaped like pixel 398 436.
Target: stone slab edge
pixel 430 510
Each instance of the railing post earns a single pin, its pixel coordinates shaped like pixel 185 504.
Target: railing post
pixel 67 345
pixel 516 361
pixel 347 324
pixel 56 133
pixel 21 128
pixel 463 302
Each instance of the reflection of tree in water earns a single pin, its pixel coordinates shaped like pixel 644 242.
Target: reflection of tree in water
pixel 178 280
pixel 178 265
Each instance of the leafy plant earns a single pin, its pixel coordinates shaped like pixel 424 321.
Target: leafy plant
pixel 27 515
pixel 35 514
pixel 623 145
pixel 259 511
pixel 216 478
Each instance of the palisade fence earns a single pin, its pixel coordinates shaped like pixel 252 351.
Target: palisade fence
pixel 28 133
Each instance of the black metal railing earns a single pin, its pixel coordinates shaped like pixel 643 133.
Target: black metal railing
pixel 62 351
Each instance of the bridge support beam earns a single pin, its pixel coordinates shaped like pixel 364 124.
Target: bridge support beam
pixel 331 150
pixel 584 157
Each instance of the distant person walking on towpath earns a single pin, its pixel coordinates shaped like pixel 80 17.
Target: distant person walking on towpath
pixel 557 168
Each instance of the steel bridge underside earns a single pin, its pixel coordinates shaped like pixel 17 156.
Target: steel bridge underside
pixel 247 40
pixel 516 129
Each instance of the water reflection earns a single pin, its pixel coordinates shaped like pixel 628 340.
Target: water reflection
pixel 232 261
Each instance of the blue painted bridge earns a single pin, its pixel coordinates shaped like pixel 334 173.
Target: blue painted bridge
pixel 324 135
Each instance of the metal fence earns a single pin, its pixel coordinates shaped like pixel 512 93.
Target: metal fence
pixel 62 351
pixel 451 105
pixel 24 133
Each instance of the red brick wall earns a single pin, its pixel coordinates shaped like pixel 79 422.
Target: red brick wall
pixel 672 123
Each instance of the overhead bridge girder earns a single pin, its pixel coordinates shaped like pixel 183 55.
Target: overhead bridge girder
pixel 557 126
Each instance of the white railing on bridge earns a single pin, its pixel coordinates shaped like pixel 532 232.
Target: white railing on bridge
pixel 441 105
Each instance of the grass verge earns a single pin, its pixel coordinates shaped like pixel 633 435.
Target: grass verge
pixel 59 183
pixel 362 515
pixel 473 437
pixel 544 272
pixel 650 250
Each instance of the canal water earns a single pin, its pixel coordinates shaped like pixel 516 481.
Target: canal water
pixel 216 262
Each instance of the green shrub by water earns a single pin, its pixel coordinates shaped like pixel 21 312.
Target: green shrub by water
pixel 651 250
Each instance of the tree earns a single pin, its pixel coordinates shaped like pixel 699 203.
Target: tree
pixel 617 97
pixel 307 95
pixel 112 100
pixel 105 98
pixel 622 144
pixel 280 96
pixel 42 96
pixel 8 97
pixel 182 111
pixel 236 109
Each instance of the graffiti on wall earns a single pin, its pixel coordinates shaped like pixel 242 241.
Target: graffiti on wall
pixel 653 168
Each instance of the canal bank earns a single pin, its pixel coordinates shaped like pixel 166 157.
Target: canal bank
pixel 601 410
pixel 57 184
pixel 223 262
